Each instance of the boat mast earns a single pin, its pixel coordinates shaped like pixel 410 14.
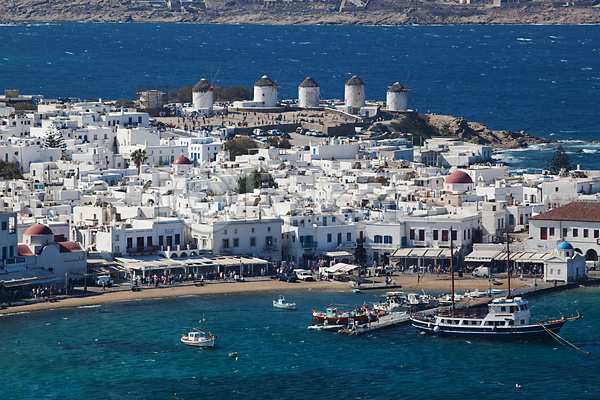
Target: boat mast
pixel 508 264
pixel 452 269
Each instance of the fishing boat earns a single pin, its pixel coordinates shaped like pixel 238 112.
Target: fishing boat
pixel 506 319
pixel 198 337
pixel 281 303
pixel 335 314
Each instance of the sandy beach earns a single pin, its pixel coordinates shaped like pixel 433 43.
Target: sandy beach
pixel 408 282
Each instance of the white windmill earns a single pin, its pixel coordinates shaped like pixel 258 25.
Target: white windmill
pixel 397 98
pixel 309 93
pixel 265 92
pixel 354 93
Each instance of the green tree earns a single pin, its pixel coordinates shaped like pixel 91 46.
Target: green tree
pixel 232 93
pixel 125 103
pixel 139 157
pixel 239 146
pixel 560 160
pixel 9 171
pixel 54 139
pixel 257 179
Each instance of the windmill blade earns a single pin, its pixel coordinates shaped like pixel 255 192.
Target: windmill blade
pixel 215 77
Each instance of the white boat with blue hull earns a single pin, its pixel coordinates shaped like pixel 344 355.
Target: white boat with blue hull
pixel 505 319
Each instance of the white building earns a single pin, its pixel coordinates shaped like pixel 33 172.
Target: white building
pixel 564 265
pixel 577 222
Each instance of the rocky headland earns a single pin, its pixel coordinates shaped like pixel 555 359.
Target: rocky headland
pixel 287 12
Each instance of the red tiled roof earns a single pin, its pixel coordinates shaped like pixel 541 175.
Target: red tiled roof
pixel 582 211
pixel 67 247
pixel 24 250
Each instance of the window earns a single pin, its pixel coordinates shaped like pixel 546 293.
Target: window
pixel 551 231
pixel 422 235
pixel 177 238
pixel 511 219
pixel 349 237
pixel 444 235
pixel 332 219
pixel 295 222
pixel 565 231
pixel 4 225
pixel 160 240
pixel 543 233
pixel 435 234
pixel 586 233
pixel 236 242
pixel 412 234
pixel 252 230
pixel 149 241
pixel 225 232
pixel 269 240
pixel 268 229
pixel 596 233
pixel 225 243
pixel 377 239
pixel 329 238
pixel 575 232
pixel 339 235
pixel 454 235
pixel 556 189
pixel 558 271
pixel 235 231
pixel 387 239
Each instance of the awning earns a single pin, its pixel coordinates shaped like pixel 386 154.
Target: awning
pixel 339 254
pixel 340 268
pixel 27 277
pixel 401 253
pixel 482 256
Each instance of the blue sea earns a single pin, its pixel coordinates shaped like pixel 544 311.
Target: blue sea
pixel 541 79
pixel 131 350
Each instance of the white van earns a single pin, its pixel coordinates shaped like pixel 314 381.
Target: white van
pixel 482 272
pixel 106 279
pixel 304 275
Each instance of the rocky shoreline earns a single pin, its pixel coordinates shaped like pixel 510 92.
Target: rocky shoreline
pixel 475 132
pixel 377 12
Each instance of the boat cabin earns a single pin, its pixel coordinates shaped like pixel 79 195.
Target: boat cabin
pixel 195 335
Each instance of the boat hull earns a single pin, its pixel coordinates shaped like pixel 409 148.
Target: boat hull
pixel 284 306
pixel 528 333
pixel 199 343
pixel 343 320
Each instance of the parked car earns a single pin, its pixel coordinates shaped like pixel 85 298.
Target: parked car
pixel 275 132
pixel 258 132
pixel 286 136
pixel 303 275
pixel 482 272
pixel 287 277
pixel 104 279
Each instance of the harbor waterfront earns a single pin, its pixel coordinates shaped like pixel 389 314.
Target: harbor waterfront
pixel 132 349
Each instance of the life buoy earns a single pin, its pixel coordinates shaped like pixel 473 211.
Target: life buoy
pixel 436 329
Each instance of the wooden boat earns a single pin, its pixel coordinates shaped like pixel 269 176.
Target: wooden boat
pixel 198 337
pixel 334 314
pixel 281 303
pixel 506 319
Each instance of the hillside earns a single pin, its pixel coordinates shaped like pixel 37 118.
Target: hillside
pixel 377 12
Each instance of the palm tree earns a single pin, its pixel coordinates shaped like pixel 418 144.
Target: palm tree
pixel 139 157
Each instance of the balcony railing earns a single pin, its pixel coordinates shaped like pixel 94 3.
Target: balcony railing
pixel 309 245
pixel 142 249
pixel 270 247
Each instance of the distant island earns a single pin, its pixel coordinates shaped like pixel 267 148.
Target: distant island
pixel 295 12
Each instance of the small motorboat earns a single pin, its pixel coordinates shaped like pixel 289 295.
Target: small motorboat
pixel 496 281
pixel 198 337
pixel 356 290
pixel 281 303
